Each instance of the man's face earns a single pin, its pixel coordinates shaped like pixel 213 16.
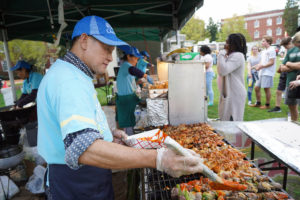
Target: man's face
pixel 97 55
pixel 289 45
pixel 264 43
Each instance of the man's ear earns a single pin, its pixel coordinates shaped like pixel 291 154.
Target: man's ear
pixel 83 41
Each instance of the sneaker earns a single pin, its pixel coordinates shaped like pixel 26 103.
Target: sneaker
pixel 249 103
pixel 264 107
pixel 210 104
pixel 255 105
pixel 276 109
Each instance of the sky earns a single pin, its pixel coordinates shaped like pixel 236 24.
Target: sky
pixel 220 9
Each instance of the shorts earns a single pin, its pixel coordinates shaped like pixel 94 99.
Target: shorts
pixel 282 81
pixel 291 101
pixel 264 82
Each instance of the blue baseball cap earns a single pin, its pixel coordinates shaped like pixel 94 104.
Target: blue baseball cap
pixel 21 64
pixel 99 28
pixel 145 53
pixel 131 50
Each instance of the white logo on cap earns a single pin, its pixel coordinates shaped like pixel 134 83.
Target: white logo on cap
pixel 109 29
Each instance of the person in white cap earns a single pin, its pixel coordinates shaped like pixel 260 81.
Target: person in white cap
pixel 73 134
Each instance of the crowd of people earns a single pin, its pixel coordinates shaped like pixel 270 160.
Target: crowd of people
pixel 261 69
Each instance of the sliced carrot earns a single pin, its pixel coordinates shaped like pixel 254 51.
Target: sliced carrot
pixel 227 185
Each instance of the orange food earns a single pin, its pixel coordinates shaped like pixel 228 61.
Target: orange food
pixel 227 185
pixel 156 138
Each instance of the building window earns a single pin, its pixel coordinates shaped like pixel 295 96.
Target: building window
pixel 269 22
pixel 278 41
pixel 269 32
pixel 256 24
pixel 256 34
pixel 278 31
pixel 245 25
pixel 278 20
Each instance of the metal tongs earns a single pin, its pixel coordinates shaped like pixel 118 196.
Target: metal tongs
pixel 172 144
pixel 217 182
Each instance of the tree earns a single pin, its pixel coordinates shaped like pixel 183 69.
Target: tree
pixel 290 16
pixel 212 29
pixel 194 29
pixel 34 52
pixel 233 25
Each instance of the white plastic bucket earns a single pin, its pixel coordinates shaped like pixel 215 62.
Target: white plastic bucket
pixel 8 96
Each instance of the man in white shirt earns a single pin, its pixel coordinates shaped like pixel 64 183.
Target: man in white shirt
pixel 266 71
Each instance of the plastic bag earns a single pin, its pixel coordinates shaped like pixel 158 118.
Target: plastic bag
pixel 31 153
pixel 8 186
pixel 35 183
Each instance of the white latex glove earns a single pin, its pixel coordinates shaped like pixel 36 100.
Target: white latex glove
pixel 298 77
pixel 195 154
pixel 176 165
pixel 119 136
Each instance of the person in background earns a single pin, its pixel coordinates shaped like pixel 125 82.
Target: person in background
pixel 287 44
pixel 31 83
pixel 252 60
pixel 143 62
pixel 291 65
pixel 231 68
pixel 266 68
pixel 205 52
pixel 127 99
pixel 73 134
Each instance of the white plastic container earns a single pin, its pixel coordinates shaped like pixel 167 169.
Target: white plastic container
pixel 8 96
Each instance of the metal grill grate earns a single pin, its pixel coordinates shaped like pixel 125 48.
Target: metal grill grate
pixel 158 185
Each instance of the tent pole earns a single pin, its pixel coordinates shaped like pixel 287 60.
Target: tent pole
pixel 161 46
pixel 7 56
pixel 178 38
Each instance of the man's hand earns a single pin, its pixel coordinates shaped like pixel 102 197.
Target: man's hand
pixel 119 136
pixel 258 67
pixel 150 80
pixel 294 84
pixel 284 68
pixel 176 165
pixel 140 81
pixel 279 69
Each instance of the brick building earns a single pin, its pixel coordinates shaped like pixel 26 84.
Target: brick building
pixel 265 23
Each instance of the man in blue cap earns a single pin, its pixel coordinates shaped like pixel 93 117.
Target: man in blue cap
pixel 31 83
pixel 73 133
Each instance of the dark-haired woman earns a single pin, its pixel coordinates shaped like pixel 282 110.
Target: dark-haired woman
pixel 31 83
pixel 205 52
pixel 231 66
